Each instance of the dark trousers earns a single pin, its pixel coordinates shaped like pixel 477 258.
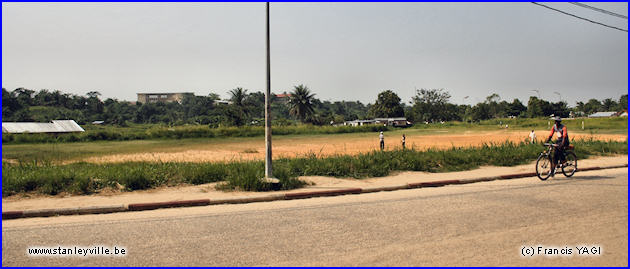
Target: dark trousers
pixel 559 153
pixel 382 144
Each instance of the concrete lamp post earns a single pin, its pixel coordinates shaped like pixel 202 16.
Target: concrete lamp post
pixel 268 160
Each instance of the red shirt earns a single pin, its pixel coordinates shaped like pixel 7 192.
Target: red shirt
pixel 561 129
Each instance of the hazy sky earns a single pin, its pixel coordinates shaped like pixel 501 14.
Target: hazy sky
pixel 341 51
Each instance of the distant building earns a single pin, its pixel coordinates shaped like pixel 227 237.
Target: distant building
pixel 359 122
pixel 223 102
pixel 56 126
pixel 283 97
pixel 162 97
pixel 396 122
pixel 603 114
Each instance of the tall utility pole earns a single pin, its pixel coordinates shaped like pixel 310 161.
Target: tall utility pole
pixel 268 170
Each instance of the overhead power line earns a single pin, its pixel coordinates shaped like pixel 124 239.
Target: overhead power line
pixel 575 16
pixel 599 10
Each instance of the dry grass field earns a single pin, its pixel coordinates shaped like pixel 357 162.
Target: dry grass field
pixel 325 145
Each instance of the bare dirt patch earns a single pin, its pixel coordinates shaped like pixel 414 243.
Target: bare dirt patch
pixel 290 147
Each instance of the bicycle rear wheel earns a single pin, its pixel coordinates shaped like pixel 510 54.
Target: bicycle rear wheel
pixel 543 167
pixel 569 168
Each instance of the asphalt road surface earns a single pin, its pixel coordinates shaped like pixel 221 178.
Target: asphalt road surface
pixel 481 224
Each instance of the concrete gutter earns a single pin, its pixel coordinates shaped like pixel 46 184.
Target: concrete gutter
pixel 267 198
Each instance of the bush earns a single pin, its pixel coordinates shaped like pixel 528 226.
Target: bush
pixel 87 178
pixel 109 133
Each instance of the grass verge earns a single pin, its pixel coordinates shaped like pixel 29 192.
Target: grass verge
pixel 85 178
pixel 110 133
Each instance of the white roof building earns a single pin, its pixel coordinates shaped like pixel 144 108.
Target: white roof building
pixel 602 114
pixel 56 126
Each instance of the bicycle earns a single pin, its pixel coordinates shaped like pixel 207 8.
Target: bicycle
pixel 543 163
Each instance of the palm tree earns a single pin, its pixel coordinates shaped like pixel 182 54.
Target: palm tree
pixel 93 94
pixel 300 102
pixel 237 96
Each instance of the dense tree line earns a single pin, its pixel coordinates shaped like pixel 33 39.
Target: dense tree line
pixel 245 109
pixel 433 105
pixel 300 105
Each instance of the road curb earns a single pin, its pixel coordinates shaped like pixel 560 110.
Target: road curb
pixel 71 211
pixel 520 175
pixel 309 194
pixel 12 214
pixel 475 180
pixel 245 200
pixel 182 203
pixel 274 197
pixel 438 183
pixel 384 188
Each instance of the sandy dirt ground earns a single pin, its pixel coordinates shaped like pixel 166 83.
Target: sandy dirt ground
pixel 207 191
pixel 249 149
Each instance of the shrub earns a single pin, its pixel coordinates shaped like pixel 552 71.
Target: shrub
pixel 81 177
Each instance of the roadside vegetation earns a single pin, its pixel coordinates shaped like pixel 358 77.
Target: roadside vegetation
pixel 149 132
pixel 614 125
pixel 157 131
pixel 296 112
pixel 86 178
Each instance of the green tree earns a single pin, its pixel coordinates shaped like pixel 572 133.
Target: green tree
pixel 93 94
pixel 300 103
pixel 431 105
pixel 592 106
pixel 538 108
pixel 560 109
pixel 10 105
pixel 214 96
pixel 480 111
pixel 609 105
pixel 516 108
pixel 623 102
pixel 387 105
pixel 24 96
pixel 237 96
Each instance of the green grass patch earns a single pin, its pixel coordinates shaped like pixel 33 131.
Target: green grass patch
pixel 85 178
pixel 613 125
pixel 617 125
pixel 146 132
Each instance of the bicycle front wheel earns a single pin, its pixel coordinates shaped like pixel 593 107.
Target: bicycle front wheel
pixel 569 168
pixel 543 167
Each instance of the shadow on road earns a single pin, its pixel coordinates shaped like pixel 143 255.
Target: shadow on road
pixel 578 177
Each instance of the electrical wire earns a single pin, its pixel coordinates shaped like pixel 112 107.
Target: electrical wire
pixel 591 21
pixel 599 10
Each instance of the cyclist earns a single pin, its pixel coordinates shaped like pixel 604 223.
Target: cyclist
pixel 562 141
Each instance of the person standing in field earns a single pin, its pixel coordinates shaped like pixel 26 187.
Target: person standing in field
pixel 403 141
pixel 532 137
pixel 382 139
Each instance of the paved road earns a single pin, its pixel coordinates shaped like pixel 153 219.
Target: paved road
pixel 474 225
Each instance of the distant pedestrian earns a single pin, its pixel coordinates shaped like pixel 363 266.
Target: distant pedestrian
pixel 382 139
pixel 532 137
pixel 403 141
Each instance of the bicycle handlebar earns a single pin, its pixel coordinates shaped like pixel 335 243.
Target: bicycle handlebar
pixel 550 144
